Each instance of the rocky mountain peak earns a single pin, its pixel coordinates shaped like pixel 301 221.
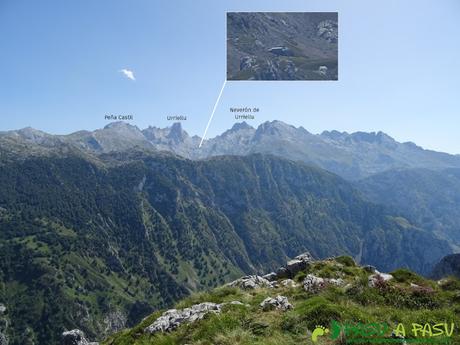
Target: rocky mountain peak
pixel 412 145
pixel 351 156
pixel 279 130
pixel 31 133
pixel 241 126
pixel 123 129
pixel 334 135
pixel 118 125
pixel 273 127
pixel 383 137
pixel 372 137
pixel 176 133
pixel 369 137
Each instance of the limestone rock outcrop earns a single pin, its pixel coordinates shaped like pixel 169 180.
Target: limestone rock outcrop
pixel 173 318
pixel 299 263
pixel 377 277
pixel 314 284
pixel 251 282
pixel 75 337
pixel 279 302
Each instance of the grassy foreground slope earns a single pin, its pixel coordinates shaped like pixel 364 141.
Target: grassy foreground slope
pixel 407 298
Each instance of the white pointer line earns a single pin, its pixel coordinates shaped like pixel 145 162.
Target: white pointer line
pixel 212 115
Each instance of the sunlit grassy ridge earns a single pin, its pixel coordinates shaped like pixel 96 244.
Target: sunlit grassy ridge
pixel 408 298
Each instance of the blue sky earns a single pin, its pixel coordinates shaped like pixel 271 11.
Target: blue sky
pixel 60 62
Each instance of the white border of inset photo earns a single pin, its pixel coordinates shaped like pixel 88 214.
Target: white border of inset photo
pixel 322 71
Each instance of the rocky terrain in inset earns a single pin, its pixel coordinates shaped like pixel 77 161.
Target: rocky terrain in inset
pixel 282 46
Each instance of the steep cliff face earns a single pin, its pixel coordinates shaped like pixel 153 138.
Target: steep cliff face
pixel 4 323
pixel 430 199
pixel 448 266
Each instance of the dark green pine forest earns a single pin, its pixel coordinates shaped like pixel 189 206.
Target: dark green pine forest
pixel 98 243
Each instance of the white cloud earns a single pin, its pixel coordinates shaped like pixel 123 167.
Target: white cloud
pixel 128 73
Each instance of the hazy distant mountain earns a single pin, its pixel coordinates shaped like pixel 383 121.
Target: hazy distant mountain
pixel 428 198
pixel 173 139
pixel 352 156
pixel 448 266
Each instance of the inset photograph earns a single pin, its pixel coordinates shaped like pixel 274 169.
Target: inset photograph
pixel 282 46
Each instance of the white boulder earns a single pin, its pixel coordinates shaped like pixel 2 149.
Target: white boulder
pixel 279 302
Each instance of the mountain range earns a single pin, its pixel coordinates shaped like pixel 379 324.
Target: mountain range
pixel 421 185
pixel 353 156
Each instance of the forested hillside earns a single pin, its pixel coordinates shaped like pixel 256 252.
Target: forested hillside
pixel 430 199
pixel 97 242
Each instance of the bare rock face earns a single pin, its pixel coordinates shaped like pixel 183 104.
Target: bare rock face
pixel 115 321
pixel 3 339
pixel 247 62
pixel 336 282
pixel 288 283
pixel 314 284
pixel 279 302
pixel 299 263
pixel 3 326
pixel 270 276
pixel 328 29
pixel 75 337
pixel 377 277
pixel 173 318
pixel 282 272
pixel 251 282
